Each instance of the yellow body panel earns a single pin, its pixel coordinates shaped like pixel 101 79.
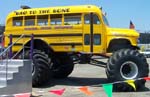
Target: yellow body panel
pixel 61 37
pixel 116 33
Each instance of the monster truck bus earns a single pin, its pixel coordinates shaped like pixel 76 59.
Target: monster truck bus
pixel 67 35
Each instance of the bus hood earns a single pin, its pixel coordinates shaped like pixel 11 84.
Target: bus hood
pixel 122 32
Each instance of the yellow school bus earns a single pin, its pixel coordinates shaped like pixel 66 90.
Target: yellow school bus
pixel 57 37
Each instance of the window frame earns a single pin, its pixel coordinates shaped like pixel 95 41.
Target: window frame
pixel 87 39
pixel 75 17
pixel 105 20
pixel 17 19
pixel 40 17
pixel 94 14
pixel 52 16
pixel 32 19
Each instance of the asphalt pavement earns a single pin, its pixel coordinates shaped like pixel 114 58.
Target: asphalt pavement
pixel 86 75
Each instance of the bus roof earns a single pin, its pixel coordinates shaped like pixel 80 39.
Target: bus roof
pixel 55 10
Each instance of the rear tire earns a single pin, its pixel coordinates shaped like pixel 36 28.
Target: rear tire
pixel 62 65
pixel 127 64
pixel 40 67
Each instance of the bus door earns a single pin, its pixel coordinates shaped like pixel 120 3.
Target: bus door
pixel 92 44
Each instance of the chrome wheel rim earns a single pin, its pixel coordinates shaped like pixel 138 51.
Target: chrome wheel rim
pixel 129 70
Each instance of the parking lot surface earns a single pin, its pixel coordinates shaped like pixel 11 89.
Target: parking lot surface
pixel 86 75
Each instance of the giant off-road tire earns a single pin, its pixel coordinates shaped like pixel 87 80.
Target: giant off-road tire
pixel 127 64
pixel 41 64
pixel 62 65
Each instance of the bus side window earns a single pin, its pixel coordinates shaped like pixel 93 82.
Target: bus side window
pixel 17 21
pixel 29 20
pixel 87 19
pixel 72 19
pixel 56 19
pixel 97 39
pixel 42 20
pixel 96 19
pixel 86 39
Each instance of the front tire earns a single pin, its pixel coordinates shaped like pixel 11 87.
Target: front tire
pixel 127 64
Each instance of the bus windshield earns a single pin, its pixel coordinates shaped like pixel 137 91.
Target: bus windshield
pixel 105 20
